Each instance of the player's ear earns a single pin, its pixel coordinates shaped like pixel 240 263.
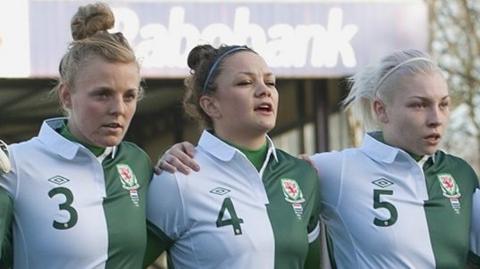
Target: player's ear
pixel 210 106
pixel 65 95
pixel 380 110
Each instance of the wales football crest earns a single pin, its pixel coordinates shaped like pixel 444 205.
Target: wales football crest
pixel 450 190
pixel 129 182
pixel 293 194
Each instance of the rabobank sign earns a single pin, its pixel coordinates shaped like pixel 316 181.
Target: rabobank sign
pixel 282 45
pixel 297 39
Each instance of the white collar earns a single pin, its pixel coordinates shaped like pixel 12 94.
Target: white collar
pixel 382 152
pixel 377 150
pixel 62 146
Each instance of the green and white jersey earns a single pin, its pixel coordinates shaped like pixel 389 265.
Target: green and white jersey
pixel 229 215
pixel 74 210
pixel 382 209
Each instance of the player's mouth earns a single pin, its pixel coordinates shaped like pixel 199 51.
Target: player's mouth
pixel 433 139
pixel 114 126
pixel 264 108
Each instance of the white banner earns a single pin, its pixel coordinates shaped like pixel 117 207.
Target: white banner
pixel 14 39
pixel 297 39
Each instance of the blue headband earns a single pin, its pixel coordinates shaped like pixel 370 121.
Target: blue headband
pixel 217 62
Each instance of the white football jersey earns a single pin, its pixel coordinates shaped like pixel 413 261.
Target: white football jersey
pixel 229 215
pixel 74 210
pixel 382 209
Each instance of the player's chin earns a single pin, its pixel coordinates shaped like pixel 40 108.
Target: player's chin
pixel 429 149
pixel 110 141
pixel 265 128
pixel 268 124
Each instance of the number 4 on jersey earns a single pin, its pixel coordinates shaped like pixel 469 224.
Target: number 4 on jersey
pixel 235 221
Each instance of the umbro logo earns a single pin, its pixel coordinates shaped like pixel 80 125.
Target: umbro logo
pixel 220 191
pixel 59 180
pixel 382 182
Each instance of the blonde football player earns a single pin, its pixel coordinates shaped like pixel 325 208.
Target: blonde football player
pixel 77 191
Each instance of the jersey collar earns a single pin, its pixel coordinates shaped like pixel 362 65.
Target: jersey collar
pixel 382 152
pixel 379 151
pixel 62 146
pixel 223 151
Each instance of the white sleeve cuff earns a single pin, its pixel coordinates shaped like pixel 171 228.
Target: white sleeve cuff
pixel 314 234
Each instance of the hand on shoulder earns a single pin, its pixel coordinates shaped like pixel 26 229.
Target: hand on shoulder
pixel 5 165
pixel 179 157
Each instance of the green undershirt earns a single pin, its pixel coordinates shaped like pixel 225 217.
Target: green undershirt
pixel 65 132
pixel 256 156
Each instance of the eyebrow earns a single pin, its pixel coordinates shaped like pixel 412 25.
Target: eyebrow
pixel 252 73
pixel 426 98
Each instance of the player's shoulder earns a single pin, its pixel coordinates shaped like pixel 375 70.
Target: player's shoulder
pixel 448 161
pixel 334 158
pixel 284 157
pixel 445 159
pixel 166 178
pixel 26 149
pixel 443 156
pixel 132 147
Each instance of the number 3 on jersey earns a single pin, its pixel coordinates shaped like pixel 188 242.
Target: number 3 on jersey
pixel 234 220
pixel 386 205
pixel 65 206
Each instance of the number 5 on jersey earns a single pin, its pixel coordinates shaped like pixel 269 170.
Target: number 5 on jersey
pixel 234 220
pixel 377 203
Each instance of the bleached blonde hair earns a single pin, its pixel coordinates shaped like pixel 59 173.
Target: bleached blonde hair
pixel 377 81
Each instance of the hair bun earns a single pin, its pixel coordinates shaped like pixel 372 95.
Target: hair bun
pixel 91 19
pixel 198 54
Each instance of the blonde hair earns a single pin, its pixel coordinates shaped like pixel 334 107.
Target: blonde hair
pixel 376 81
pixel 89 28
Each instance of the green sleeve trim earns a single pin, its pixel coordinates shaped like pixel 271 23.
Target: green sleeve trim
pixel 6 213
pixel 157 243
pixel 313 259
pixel 473 260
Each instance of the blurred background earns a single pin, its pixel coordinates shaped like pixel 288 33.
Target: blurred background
pixel 312 47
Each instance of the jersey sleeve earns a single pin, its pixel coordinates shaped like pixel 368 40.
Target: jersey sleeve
pixel 313 259
pixel 475 230
pixel 313 227
pixel 165 209
pixel 6 214
pixel 329 169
